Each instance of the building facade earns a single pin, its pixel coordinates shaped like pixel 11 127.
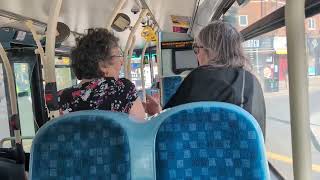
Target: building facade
pixel 268 53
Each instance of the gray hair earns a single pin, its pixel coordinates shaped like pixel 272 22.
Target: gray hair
pixel 223 43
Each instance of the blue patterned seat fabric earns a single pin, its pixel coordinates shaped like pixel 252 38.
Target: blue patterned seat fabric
pixel 81 146
pixel 210 143
pixel 170 86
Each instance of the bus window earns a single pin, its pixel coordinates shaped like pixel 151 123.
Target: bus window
pixel 4 123
pixel 312 28
pixel 155 66
pixel 64 79
pixel 64 76
pixel 136 73
pixel 268 55
pixel 22 73
pixel 244 16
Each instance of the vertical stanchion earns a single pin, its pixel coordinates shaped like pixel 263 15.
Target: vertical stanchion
pixel 298 89
pixel 129 42
pixel 11 86
pixel 49 69
pixel 129 59
pixel 142 72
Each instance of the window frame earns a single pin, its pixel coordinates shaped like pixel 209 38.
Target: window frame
pixel 312 25
pixel 247 21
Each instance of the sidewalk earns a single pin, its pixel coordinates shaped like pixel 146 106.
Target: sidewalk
pixel 314 85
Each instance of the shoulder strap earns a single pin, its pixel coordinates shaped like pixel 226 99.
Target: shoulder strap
pixel 243 86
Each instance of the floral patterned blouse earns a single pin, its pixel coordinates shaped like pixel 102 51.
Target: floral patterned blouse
pixel 103 94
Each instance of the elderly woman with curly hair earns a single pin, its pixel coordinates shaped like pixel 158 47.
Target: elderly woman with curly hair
pixel 97 61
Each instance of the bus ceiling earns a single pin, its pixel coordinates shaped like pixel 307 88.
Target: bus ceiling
pixel 81 15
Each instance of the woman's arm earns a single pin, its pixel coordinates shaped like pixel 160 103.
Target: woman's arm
pixel 137 110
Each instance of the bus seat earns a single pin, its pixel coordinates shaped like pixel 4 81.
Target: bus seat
pixel 10 170
pixel 209 139
pixel 170 85
pixel 81 145
pixel 12 160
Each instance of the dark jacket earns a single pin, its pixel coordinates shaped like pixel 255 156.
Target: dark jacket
pixel 207 83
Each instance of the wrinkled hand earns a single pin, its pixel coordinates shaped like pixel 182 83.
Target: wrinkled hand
pixel 151 107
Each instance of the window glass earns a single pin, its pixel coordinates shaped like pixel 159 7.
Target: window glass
pixel 243 20
pixel 254 10
pixel 313 60
pixel 22 73
pixel 64 74
pixel 311 24
pixel 136 73
pixel 268 55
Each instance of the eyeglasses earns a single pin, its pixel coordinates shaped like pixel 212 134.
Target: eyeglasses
pixel 196 48
pixel 118 56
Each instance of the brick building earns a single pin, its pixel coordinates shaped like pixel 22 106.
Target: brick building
pixel 268 53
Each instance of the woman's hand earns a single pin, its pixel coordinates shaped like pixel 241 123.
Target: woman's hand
pixel 151 107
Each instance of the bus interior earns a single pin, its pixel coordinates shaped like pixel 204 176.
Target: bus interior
pixel 156 37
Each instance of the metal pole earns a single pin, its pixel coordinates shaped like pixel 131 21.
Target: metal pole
pixel 129 41
pixel 50 75
pixel 159 65
pixel 129 59
pixel 298 89
pixel 151 66
pixel 36 38
pixel 49 69
pixel 257 60
pixel 14 117
pixel 10 77
pixel 156 29
pixel 142 71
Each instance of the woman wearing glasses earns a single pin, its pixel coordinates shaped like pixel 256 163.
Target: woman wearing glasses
pixel 224 74
pixel 97 61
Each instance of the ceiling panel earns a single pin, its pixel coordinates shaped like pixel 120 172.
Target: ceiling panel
pixel 80 15
pixel 205 11
pixel 77 14
pixel 163 9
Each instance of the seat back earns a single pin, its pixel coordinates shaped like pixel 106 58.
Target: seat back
pixel 81 145
pixel 10 170
pixel 209 139
pixel 170 85
pixel 192 141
